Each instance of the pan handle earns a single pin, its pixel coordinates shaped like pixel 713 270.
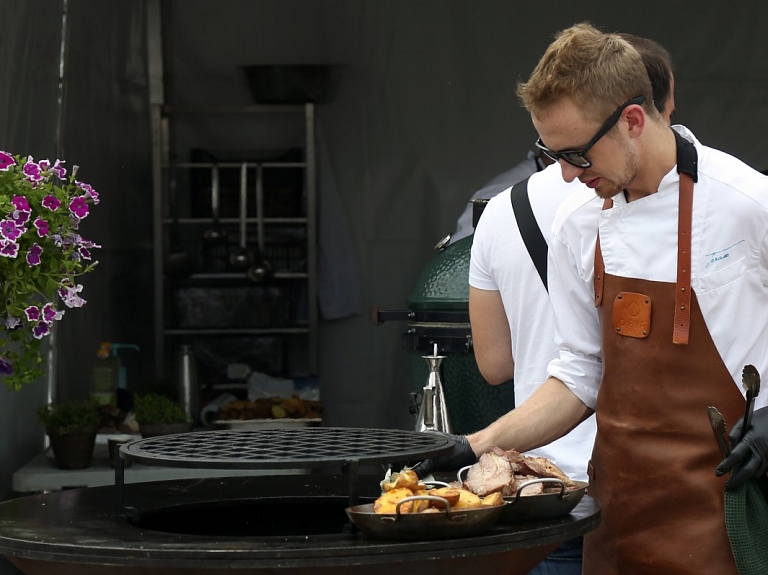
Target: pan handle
pixel 560 482
pixel 441 500
pixel 462 470
pixel 433 482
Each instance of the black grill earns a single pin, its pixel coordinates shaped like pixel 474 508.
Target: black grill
pixel 285 448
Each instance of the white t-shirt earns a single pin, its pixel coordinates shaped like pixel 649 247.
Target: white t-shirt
pixel 729 264
pixel 529 166
pixel 500 262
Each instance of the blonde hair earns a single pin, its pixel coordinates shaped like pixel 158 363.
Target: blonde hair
pixel 597 71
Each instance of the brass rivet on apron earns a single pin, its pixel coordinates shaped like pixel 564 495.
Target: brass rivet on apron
pixel 682 289
pixel 645 332
pixel 618 329
pixel 682 307
pixel 618 296
pixel 646 300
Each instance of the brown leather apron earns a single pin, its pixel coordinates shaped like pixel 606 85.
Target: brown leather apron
pixel 653 463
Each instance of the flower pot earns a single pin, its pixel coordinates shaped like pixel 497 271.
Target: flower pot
pixel 155 429
pixel 73 450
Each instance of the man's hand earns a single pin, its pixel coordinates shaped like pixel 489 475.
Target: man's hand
pixel 459 456
pixel 749 455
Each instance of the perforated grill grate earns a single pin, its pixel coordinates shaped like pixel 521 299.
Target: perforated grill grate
pixel 286 448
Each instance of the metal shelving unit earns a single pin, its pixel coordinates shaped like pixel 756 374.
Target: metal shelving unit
pixel 166 217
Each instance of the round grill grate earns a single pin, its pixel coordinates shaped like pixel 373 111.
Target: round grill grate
pixel 285 448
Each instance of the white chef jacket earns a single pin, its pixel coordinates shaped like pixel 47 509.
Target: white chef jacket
pixel 729 264
pixel 500 262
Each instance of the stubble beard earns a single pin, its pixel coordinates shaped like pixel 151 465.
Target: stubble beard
pixel 625 178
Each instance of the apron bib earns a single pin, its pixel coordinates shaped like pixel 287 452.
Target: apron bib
pixel 653 464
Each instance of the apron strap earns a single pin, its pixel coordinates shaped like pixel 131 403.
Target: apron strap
pixel 683 287
pixel 599 263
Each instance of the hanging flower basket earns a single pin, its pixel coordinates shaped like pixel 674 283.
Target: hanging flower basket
pixel 41 256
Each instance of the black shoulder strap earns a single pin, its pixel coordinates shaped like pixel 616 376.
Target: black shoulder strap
pixel 529 229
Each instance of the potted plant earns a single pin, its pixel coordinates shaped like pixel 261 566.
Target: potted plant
pixel 72 427
pixel 156 414
pixel 42 254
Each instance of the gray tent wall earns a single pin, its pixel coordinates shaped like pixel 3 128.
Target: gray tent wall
pixel 29 117
pixel 425 114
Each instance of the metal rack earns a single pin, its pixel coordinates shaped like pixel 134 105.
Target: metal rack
pixel 166 217
pixel 162 116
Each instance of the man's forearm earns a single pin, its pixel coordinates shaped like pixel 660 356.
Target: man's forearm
pixel 551 412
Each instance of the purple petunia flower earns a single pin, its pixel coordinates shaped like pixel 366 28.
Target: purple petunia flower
pixel 85 253
pixel 33 313
pixel 42 227
pixel 59 170
pixel 44 164
pixel 9 230
pixel 69 295
pixel 9 249
pixel 79 207
pixel 33 255
pixel 12 322
pixel 6 161
pixel 5 367
pixel 20 218
pixel 21 204
pixel 51 202
pixel 50 314
pixel 88 191
pixel 41 330
pixel 32 171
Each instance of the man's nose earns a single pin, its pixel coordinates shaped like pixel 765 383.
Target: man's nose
pixel 570 172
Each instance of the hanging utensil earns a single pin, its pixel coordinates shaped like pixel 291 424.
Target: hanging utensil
pixel 717 421
pixel 750 381
pixel 241 258
pixel 260 269
pixel 215 234
pixel 178 264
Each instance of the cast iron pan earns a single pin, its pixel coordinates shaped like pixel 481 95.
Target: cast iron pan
pixel 541 506
pixel 447 524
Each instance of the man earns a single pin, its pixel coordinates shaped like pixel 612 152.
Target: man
pixel 512 321
pixel 657 323
pixel 659 66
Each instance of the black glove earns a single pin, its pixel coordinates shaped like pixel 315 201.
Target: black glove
pixel 459 456
pixel 750 456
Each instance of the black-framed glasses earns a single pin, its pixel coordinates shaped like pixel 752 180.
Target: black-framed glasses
pixel 578 158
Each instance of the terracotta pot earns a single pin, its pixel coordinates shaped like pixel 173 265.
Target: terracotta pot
pixel 155 429
pixel 73 450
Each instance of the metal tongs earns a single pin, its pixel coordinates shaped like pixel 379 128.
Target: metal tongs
pixel 750 381
pixel 717 421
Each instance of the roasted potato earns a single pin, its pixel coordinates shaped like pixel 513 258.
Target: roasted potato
pixel 468 500
pixel 387 502
pixel 493 499
pixel 448 493
pixel 405 479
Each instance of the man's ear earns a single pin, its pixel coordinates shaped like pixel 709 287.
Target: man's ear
pixel 635 118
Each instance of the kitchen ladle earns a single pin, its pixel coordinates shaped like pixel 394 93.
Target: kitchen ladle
pixel 241 258
pixel 260 270
pixel 215 234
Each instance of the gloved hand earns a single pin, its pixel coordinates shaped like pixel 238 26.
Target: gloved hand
pixel 459 456
pixel 750 454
